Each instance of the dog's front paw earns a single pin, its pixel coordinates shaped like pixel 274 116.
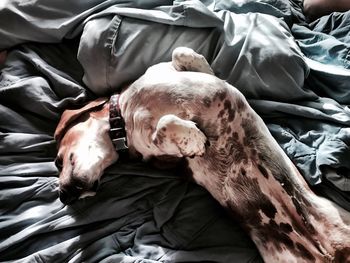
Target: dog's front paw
pixel 193 143
pixel 177 137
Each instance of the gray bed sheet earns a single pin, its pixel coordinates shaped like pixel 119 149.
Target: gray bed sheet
pixel 65 53
pixel 139 215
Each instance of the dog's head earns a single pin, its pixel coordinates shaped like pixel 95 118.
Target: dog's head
pixel 85 149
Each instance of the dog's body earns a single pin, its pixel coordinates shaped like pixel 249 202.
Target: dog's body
pixel 180 109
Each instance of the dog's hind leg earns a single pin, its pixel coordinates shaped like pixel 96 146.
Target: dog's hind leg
pixel 177 137
pixel 186 59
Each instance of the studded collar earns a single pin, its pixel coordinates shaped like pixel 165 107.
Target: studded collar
pixel 117 124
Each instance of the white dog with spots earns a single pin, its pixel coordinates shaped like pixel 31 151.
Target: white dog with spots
pixel 180 109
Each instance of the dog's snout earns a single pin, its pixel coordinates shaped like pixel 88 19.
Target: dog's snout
pixel 68 197
pixel 69 193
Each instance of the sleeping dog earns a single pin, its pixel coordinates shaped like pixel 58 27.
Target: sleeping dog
pixel 180 109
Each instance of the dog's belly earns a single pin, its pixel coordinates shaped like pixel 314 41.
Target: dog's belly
pixel 243 168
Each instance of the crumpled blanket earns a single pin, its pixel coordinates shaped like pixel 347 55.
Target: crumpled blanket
pixel 65 53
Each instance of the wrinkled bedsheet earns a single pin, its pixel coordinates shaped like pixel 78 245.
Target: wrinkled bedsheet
pixel 62 54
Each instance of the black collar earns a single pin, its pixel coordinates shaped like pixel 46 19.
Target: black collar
pixel 117 124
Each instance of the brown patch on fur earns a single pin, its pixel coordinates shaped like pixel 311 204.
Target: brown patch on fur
pixel 221 114
pixel 342 255
pixel 253 153
pixel 220 94
pixel 230 110
pixel 240 105
pixel 277 233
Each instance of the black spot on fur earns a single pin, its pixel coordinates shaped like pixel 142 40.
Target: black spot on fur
pixel 269 209
pixel 288 187
pixel 342 255
pixel 230 110
pixel 271 232
pixel 286 228
pixel 220 94
pixel 235 135
pixel 304 253
pixel 263 171
pixel 221 114
pixel 227 105
pixel 240 105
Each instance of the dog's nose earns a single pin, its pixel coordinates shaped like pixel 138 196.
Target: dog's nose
pixel 66 197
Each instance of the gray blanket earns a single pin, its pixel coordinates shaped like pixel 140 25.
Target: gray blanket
pixel 65 53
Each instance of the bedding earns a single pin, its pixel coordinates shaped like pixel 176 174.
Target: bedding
pixel 62 54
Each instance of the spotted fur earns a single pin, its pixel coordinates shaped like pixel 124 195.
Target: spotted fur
pixel 242 166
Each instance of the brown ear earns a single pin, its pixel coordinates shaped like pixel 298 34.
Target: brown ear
pixel 69 116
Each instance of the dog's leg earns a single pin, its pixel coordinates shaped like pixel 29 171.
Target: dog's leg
pixel 177 137
pixel 186 59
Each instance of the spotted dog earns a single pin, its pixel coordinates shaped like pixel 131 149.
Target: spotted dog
pixel 180 109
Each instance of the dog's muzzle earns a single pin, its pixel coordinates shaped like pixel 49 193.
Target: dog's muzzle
pixel 70 193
